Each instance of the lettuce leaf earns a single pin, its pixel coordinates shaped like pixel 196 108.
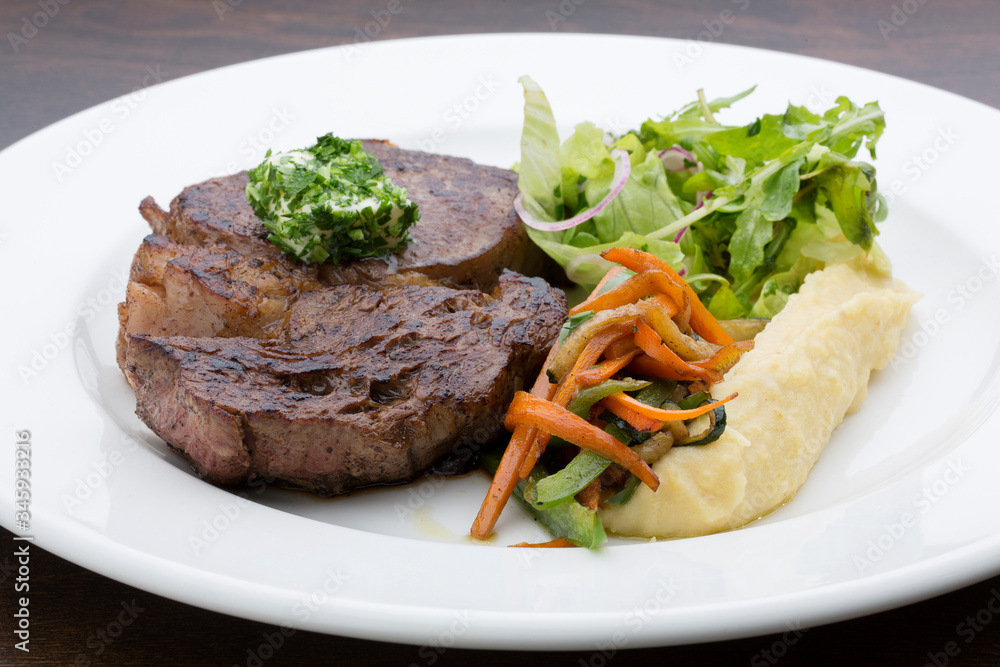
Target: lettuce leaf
pixel 757 208
pixel 558 181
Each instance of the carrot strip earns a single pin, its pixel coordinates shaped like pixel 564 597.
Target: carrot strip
pixel 558 543
pixel 659 413
pixel 504 481
pixel 533 449
pixel 568 388
pixel 612 272
pixel 529 462
pixel 592 351
pixel 636 420
pixel 635 288
pixel 535 417
pixel 547 417
pixel 524 448
pixel 651 343
pixel 621 348
pixel 725 358
pixel 570 385
pixel 604 370
pixel 519 449
pixel 702 321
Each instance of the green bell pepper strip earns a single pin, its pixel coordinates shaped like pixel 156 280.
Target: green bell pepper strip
pixel 588 396
pixel 587 466
pixel 563 485
pixel 657 393
pixel 569 519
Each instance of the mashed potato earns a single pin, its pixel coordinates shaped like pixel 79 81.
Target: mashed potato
pixel 808 369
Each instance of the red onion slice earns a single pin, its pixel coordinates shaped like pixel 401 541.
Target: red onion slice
pixel 700 198
pixel 623 168
pixel 676 158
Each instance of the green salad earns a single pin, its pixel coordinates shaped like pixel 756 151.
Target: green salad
pixel 743 212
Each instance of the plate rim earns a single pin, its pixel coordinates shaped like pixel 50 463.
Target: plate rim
pixel 969 554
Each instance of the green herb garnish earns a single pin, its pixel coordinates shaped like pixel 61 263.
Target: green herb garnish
pixel 331 201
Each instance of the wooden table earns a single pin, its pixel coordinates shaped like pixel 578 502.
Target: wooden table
pixel 90 51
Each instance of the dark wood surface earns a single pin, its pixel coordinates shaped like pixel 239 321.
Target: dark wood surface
pixel 91 51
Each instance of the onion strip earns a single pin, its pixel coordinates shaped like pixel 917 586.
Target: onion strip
pixel 623 169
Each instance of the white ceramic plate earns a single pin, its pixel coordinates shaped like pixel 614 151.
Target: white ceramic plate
pixel 898 509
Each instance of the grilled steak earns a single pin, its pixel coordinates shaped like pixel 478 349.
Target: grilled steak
pixel 366 385
pixel 190 290
pixel 468 230
pixel 330 378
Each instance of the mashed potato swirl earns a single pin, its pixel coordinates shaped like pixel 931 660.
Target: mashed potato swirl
pixel 809 368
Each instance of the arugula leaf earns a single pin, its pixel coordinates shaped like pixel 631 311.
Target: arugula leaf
pixel 845 189
pixel 725 305
pixel 779 192
pixel 685 126
pixel 330 201
pixel 758 142
pixel 746 246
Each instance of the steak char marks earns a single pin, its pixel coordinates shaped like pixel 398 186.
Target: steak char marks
pixel 255 366
pixel 370 386
pixel 190 290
